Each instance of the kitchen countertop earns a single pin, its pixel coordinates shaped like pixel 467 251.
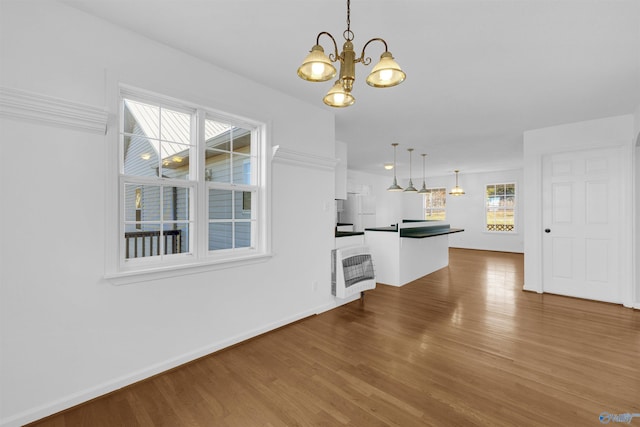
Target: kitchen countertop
pixel 392 228
pixel 348 233
pixel 421 233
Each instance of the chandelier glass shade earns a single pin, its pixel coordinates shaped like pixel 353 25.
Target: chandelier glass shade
pixel 338 97
pixel 394 186
pixel 318 67
pixel 456 191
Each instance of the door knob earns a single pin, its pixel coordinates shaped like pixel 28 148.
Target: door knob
pixel 547 230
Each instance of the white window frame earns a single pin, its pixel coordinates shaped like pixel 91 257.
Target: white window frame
pixel 515 209
pixel 426 208
pixel 122 271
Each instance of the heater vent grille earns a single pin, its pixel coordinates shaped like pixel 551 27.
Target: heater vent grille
pixel 352 271
pixel 357 268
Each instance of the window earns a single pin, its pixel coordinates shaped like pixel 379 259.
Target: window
pixel 500 207
pixel 191 184
pixel 230 186
pixel 435 200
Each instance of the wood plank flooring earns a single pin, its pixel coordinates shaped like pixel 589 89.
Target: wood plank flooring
pixel 463 346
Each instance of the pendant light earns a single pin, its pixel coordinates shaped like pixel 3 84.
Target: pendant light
pixel 410 188
pixel 456 191
pixel 394 186
pixel 423 190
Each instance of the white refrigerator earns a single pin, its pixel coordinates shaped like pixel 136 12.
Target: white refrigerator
pixel 360 209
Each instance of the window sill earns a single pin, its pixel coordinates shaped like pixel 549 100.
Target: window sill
pixel 164 272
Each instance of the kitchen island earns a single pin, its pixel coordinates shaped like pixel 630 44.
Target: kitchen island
pixel 407 251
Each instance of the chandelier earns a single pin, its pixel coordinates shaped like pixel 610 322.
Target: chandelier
pixel 317 67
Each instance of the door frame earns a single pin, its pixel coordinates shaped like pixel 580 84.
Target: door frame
pixel 602 133
pixel 636 225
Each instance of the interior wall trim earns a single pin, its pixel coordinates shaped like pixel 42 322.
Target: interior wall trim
pixel 21 104
pixel 299 158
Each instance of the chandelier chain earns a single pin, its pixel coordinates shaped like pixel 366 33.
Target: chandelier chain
pixel 348 34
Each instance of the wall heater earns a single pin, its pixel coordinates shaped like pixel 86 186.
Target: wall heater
pixel 351 271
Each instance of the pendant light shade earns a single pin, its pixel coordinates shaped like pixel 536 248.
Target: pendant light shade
pixel 338 97
pixel 410 188
pixel 423 190
pixel 456 191
pixel 317 66
pixel 386 73
pixel 394 186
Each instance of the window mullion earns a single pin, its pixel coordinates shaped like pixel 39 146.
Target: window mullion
pixel 202 197
pixel 161 237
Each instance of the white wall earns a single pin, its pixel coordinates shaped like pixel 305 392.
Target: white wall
pixel 607 132
pixel 67 334
pixel 341 154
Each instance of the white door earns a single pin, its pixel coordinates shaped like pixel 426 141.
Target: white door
pixel 581 224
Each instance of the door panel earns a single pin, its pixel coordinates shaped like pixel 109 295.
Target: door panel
pixel 581 224
pixel 563 256
pixel 596 250
pixel 562 202
pixel 596 211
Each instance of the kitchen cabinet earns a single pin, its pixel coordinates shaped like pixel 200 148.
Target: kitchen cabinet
pixel 344 227
pixel 346 241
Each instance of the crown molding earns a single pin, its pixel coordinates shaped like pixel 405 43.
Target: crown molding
pixel 299 158
pixel 20 104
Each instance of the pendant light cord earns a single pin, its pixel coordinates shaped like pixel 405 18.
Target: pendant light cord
pixel 410 155
pixel 394 162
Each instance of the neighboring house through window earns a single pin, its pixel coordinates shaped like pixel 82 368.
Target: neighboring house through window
pixel 191 184
pixel 500 207
pixel 435 200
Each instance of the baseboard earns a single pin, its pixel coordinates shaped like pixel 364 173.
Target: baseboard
pixel 487 250
pixel 530 289
pixel 75 399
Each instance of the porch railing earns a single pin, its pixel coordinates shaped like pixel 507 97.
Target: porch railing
pixel 147 243
pixel 500 227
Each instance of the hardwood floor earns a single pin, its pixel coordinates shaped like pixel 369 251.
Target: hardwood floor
pixel 463 346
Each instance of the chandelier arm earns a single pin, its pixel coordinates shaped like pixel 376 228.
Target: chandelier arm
pixel 367 61
pixel 332 57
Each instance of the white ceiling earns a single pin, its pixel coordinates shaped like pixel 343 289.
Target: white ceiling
pixel 479 72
